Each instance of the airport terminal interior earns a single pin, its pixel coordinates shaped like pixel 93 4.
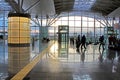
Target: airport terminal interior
pixel 59 40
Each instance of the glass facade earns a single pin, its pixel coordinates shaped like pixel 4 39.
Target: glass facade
pixel 3 36
pixel 22 30
pixel 83 25
pixel 90 25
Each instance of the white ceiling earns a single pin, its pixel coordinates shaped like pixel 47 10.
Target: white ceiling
pixel 115 13
pixel 51 7
pixel 44 7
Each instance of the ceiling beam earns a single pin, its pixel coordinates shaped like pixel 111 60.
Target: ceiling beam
pixel 15 6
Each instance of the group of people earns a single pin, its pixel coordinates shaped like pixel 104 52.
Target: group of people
pixel 81 41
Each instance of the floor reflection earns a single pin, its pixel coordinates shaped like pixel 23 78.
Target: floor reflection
pixel 100 56
pixel 83 55
pixel 87 64
pixel 66 63
pixel 70 54
pixel 91 54
pixel 18 57
pixel 3 76
pixel 81 77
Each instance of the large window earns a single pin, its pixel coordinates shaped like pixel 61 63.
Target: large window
pixel 81 23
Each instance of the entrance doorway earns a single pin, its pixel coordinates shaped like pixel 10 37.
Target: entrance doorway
pixel 63 40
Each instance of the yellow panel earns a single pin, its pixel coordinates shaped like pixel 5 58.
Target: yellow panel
pixel 28 34
pixel 28 39
pixel 24 34
pixel 23 19
pixel 13 19
pixel 24 40
pixel 14 25
pixel 14 40
pixel 18 30
pixel 24 26
pixel 14 33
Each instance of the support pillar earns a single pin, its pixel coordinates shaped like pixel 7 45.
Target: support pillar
pixel 18 42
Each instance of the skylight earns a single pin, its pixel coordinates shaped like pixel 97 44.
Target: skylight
pixel 83 5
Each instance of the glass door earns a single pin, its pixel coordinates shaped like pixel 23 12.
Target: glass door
pixel 63 40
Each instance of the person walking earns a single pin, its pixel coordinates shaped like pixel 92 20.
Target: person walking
pixel 101 40
pixel 83 42
pixel 78 42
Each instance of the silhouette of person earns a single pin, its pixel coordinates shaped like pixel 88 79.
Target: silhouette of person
pixel 72 40
pixel 79 38
pixel 101 40
pixel 78 43
pixel 33 43
pixel 110 40
pixel 83 42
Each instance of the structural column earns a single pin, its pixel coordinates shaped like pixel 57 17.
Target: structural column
pixel 18 29
pixel 18 41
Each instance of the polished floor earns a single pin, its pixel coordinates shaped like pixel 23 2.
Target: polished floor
pixel 89 64
pixel 63 62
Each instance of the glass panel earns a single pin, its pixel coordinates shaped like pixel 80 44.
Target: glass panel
pixel 78 30
pixel 84 24
pixel 64 18
pixel 84 18
pixel 71 18
pixel 97 24
pixel 91 24
pixel 1 18
pixel 77 23
pixel 71 23
pixel 1 23
pixel 91 19
pixel 78 18
pixel 64 22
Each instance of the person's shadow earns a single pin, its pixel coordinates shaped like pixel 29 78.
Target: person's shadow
pixel 83 55
pixel 100 56
pixel 111 54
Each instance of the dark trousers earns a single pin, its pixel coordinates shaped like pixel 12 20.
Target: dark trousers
pixel 101 44
pixel 83 45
